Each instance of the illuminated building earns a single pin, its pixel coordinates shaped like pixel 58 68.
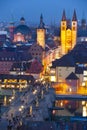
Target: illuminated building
pixel 22 32
pixel 68 33
pixel 62 67
pixel 15 81
pixel 41 33
pixel 19 37
pixel 73 81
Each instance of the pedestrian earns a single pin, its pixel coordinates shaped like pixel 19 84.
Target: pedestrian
pixel 9 127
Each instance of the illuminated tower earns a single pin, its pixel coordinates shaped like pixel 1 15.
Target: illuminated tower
pixel 74 29
pixel 41 33
pixel 68 37
pixel 63 32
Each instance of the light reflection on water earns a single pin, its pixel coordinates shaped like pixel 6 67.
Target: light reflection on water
pixel 4 103
pixel 71 108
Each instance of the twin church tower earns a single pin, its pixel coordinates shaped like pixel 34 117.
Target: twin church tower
pixel 68 33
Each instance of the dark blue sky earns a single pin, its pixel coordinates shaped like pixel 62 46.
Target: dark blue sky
pixel 31 9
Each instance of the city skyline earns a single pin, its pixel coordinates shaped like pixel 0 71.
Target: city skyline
pixel 31 10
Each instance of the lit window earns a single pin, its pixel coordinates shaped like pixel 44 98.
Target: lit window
pixel 85 79
pixel 83 83
pixel 84 111
pixel 53 79
pixel 52 71
pixel 85 72
pixel 73 23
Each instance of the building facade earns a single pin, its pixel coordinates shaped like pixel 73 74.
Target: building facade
pixel 68 33
pixel 41 33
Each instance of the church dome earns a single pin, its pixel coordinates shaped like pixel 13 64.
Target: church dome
pixel 22 19
pixel 23 29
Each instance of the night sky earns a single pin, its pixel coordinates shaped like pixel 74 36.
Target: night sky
pixel 31 9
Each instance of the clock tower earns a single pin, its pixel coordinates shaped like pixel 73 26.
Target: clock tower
pixel 41 33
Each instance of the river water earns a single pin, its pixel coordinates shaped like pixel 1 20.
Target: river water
pixel 71 108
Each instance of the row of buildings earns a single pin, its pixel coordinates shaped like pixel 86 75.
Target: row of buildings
pixel 71 69
pixel 29 51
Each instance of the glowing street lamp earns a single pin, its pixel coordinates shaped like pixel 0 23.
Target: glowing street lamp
pixel 10 100
pixel 20 109
pixel 22 106
pixel 12 97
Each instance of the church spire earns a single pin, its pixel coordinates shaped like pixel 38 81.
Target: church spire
pixel 41 25
pixel 64 16
pixel 41 18
pixel 74 18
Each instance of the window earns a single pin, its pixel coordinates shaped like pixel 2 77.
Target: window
pixel 85 79
pixel 85 73
pixel 63 28
pixel 73 23
pixel 74 28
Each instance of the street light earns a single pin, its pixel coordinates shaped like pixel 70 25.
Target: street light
pixel 22 106
pixel 10 100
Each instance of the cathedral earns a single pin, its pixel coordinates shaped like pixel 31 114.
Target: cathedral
pixel 68 35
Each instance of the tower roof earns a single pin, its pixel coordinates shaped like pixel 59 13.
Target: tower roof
pixel 22 20
pixel 72 76
pixel 41 25
pixel 64 16
pixel 74 18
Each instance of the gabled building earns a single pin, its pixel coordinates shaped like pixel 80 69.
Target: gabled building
pixel 62 68
pixel 74 62
pixel 73 81
pixel 10 56
pixel 37 51
pixel 34 68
